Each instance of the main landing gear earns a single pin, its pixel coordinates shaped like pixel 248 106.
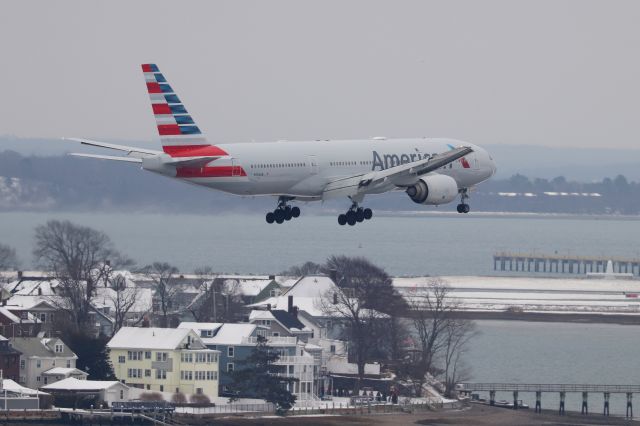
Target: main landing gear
pixel 463 207
pixel 283 212
pixel 355 215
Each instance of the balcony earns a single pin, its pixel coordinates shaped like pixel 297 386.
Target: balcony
pixel 272 341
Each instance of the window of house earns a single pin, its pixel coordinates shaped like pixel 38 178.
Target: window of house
pixel 230 351
pixel 68 363
pixel 147 373
pixel 43 317
pixel 147 355
pixel 38 364
pixel 333 349
pixel 275 334
pixel 230 367
pixel 59 348
pixel 161 356
pixel 161 388
pixel 161 374
pixel 38 379
pixel 121 359
pixel 121 394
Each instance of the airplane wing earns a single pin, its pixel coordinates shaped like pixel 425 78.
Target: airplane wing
pixel 107 157
pixel 403 175
pixel 130 150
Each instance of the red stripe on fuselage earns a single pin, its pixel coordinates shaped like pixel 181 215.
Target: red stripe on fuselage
pixel 193 150
pixel 219 171
pixel 146 68
pixel 161 108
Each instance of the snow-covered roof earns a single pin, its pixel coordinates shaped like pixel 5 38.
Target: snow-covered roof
pixel 311 305
pixel 63 371
pixel 108 297
pixel 73 384
pixel 9 315
pixel 34 287
pixel 231 334
pixel 198 327
pixel 311 286
pixel 150 338
pixel 12 386
pixel 245 287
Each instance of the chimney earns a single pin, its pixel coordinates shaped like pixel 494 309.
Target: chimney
pixel 19 275
pixel 295 311
pixel 268 306
pixel 107 262
pixel 272 277
pixel 290 304
pixel 335 298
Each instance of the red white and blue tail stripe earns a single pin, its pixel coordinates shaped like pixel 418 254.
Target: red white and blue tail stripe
pixel 179 134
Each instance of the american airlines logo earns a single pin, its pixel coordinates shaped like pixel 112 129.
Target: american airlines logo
pixel 386 161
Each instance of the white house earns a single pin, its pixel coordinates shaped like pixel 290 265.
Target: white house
pixel 107 391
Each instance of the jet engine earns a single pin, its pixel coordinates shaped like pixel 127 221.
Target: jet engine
pixel 434 190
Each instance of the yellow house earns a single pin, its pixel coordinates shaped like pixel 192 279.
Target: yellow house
pixel 164 360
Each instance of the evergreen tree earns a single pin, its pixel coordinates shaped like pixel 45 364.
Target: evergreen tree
pixel 259 377
pixel 93 355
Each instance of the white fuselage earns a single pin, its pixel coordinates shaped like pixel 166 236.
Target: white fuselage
pixel 303 169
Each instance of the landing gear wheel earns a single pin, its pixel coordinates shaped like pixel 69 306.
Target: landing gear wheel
pixel 360 215
pixel 368 214
pixel 288 214
pixel 295 211
pixel 459 208
pixel 466 208
pixel 351 217
pixel 342 219
pixel 270 217
pixel 279 215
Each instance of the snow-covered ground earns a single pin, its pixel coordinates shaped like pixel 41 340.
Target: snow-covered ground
pixel 557 295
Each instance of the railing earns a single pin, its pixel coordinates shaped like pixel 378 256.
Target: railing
pixel 532 387
pixel 303 376
pixel 273 340
pixel 297 360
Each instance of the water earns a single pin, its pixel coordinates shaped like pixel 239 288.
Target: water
pixel 526 352
pixel 428 245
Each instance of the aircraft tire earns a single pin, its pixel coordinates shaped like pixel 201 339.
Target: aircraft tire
pixel 360 215
pixel 368 213
pixel 287 214
pixel 295 211
pixel 466 208
pixel 459 208
pixel 342 219
pixel 270 217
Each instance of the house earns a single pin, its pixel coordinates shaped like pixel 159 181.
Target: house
pixel 164 360
pixel 39 354
pixel 16 397
pixel 70 391
pixel 236 342
pixel 9 360
pixel 59 373
pixel 11 325
pixel 281 322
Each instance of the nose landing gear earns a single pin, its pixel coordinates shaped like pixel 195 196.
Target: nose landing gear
pixel 355 215
pixel 463 207
pixel 283 212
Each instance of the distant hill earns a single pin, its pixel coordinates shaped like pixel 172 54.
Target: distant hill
pixel 67 183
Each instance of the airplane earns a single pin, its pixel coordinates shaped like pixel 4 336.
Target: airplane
pixel 432 171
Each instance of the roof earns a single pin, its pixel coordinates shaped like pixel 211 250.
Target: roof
pixel 231 334
pixel 73 384
pixel 12 386
pixel 149 338
pixel 107 296
pixel 199 326
pixel 311 305
pixel 246 287
pixel 9 315
pixel 62 371
pixel 311 286
pixel 286 319
pixel 39 347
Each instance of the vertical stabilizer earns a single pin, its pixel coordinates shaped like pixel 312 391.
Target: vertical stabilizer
pixel 179 134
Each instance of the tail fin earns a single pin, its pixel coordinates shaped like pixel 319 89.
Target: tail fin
pixel 179 134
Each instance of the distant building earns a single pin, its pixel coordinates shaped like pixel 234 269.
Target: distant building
pixel 9 360
pixel 68 392
pixel 164 360
pixel 40 354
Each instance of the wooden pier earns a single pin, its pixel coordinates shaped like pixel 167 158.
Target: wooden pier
pixel 560 264
pixel 562 389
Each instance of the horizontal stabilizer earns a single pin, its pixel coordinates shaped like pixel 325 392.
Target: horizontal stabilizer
pixel 130 150
pixel 108 157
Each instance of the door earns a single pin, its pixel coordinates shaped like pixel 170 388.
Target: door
pixel 236 169
pixel 313 164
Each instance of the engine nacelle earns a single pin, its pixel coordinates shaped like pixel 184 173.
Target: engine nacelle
pixel 434 190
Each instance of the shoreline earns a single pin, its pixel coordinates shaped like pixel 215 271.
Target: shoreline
pixel 569 317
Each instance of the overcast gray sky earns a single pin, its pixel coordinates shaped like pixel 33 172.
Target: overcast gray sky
pixel 555 73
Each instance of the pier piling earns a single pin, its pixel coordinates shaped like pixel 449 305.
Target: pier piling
pixel 538 402
pixel 585 405
pixel 561 409
pixel 605 412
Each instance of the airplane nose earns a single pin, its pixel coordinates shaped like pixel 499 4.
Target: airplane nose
pixel 492 165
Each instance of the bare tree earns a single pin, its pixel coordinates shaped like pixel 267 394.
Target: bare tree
pixel 307 268
pixel 363 290
pixel 163 275
pixel 78 257
pixel 457 334
pixel 439 333
pixel 8 258
pixel 123 298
